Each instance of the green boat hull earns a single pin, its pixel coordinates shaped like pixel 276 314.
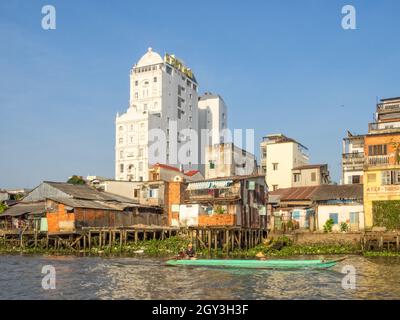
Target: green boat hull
pixel 257 264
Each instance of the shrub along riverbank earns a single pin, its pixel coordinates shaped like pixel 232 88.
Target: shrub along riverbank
pixel 281 247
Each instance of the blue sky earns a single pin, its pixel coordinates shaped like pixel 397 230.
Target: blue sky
pixel 281 66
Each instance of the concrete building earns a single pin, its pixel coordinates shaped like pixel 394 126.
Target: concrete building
pixel 151 193
pixel 310 175
pixel 238 201
pixel 353 159
pixel 226 160
pixel 163 95
pixel 310 207
pixel 213 120
pixel 279 155
pixel 213 116
pixel 4 196
pixel 168 173
pixel 382 167
pixel 341 203
pixel 387 117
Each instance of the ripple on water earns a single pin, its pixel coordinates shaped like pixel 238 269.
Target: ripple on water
pixel 132 278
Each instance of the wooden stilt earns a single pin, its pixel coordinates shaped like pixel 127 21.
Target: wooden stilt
pixel 227 240
pixel 216 240
pixel 90 240
pixel 209 239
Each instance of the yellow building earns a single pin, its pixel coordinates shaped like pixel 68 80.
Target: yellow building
pixel 382 167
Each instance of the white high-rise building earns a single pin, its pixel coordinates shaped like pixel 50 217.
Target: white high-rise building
pixel 163 95
pixel 213 116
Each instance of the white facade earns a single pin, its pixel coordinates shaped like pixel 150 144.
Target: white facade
pixel 189 215
pixel 353 159
pixel 213 116
pixel 279 155
pixel 163 95
pixel 352 214
pixel 226 160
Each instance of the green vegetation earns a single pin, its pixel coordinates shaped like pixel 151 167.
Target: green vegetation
pixel 219 210
pixel 344 227
pixel 170 247
pixel 3 207
pixel 387 214
pixel 381 254
pixel 328 225
pixel 76 180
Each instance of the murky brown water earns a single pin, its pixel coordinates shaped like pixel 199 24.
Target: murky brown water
pixel 132 278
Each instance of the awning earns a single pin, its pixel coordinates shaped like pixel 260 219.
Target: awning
pixel 217 184
pixel 25 208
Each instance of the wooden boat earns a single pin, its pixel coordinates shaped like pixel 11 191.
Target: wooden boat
pixel 258 264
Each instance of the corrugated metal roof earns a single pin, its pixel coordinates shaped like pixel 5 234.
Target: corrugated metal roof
pixel 338 192
pixel 320 193
pixel 297 193
pixel 90 204
pixel 25 208
pixel 100 205
pixel 86 192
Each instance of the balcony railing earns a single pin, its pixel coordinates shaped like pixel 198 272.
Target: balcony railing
pixel 355 158
pixel 384 107
pixel 384 126
pixel 377 160
pixel 353 155
pixel 213 194
pixel 151 201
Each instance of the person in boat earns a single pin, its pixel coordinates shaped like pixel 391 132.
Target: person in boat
pixel 189 252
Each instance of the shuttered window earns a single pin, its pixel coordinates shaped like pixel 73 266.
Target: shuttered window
pixel 390 177
pixel 377 150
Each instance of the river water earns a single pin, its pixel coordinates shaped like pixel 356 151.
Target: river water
pixel 144 278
